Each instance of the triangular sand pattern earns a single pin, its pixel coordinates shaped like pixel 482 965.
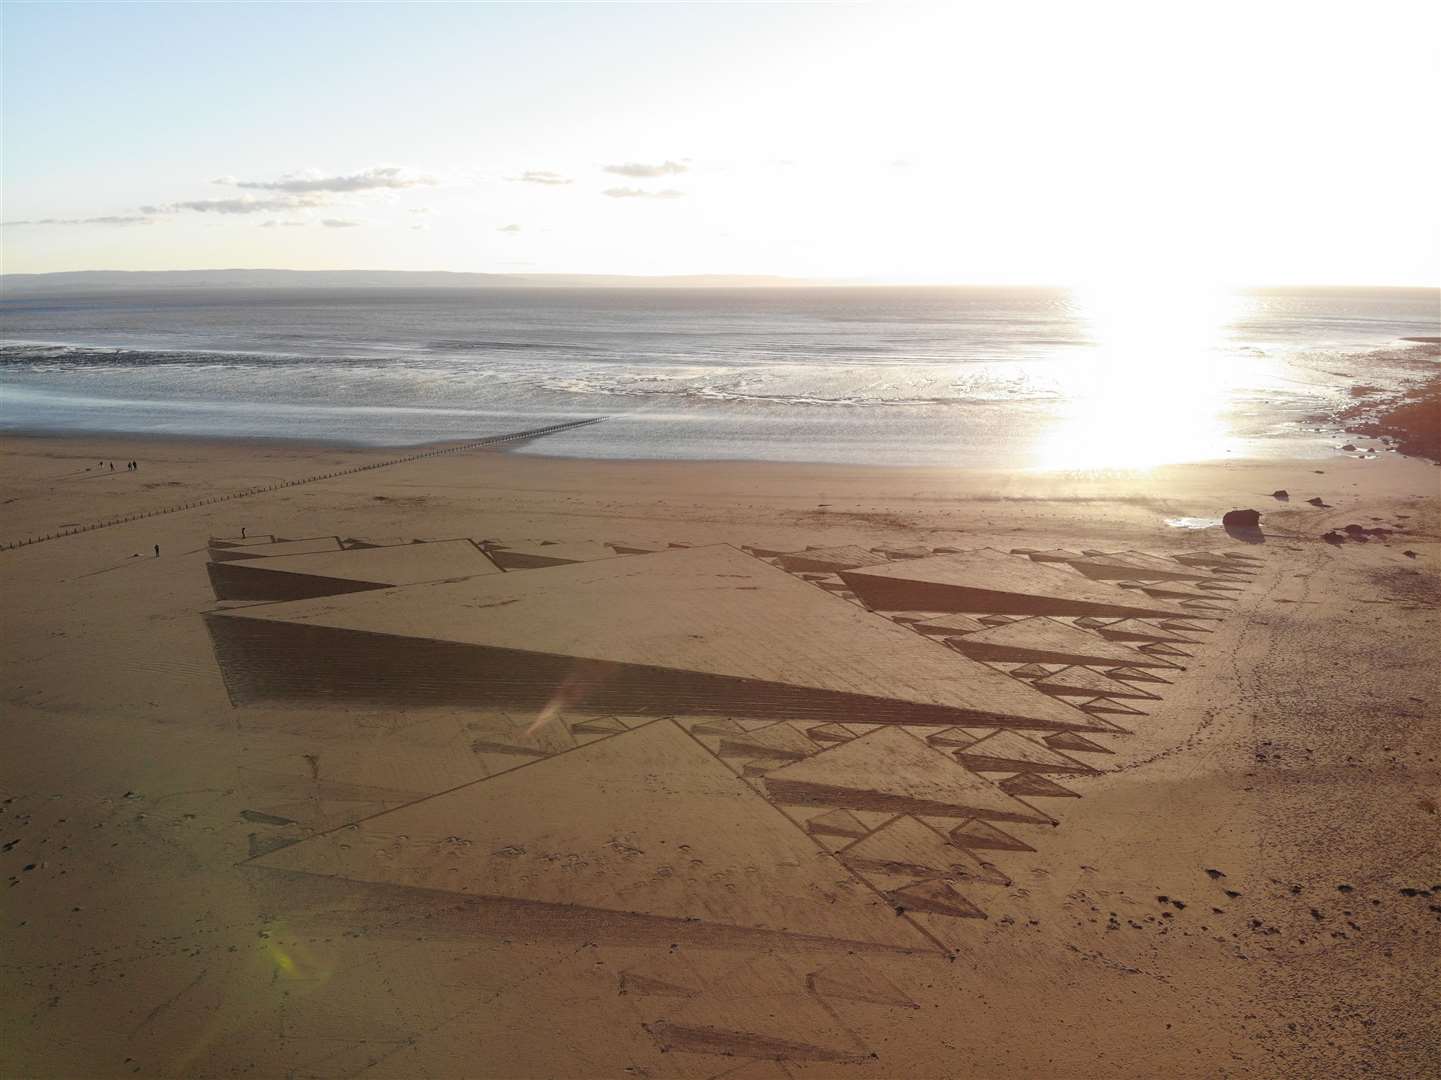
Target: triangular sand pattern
pixel 909 847
pixel 935 898
pixel 983 836
pixel 828 560
pixel 1043 641
pixel 949 624
pixel 1129 565
pixel 326 573
pixel 851 979
pixel 1006 751
pixel 837 823
pixel 1140 631
pixel 594 829
pixel 954 738
pixel 1083 682
pixel 721 727
pixel 991 582
pixel 695 630
pixel 532 556
pixel 1031 671
pixel 830 733
pixel 1132 674
pixel 1053 555
pixel 1170 592
pixel 996 620
pixel 1159 648
pixel 1034 785
pixel 777 741
pixel 890 770
pixel 1069 740
pixel 1219 586
pixel 1106 705
pixel 761 1009
pixel 600 725
pixel 279 547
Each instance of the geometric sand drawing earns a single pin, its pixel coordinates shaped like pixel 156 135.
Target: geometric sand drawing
pixel 296 577
pixel 536 554
pixel 616 825
pixel 695 630
pixel 993 581
pixel 821 749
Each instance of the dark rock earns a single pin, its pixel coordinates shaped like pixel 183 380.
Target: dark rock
pixel 1409 554
pixel 1241 519
pixel 1318 501
pixel 1349 446
pixel 1333 537
pixel 1281 493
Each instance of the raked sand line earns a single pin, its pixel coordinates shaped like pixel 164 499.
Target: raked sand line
pixel 493 440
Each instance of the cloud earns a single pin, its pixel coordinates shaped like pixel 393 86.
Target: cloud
pixel 640 170
pixel 340 223
pixel 641 193
pixel 540 176
pixel 508 228
pixel 284 224
pixel 109 219
pixel 389 178
pixel 243 204
pixel 419 210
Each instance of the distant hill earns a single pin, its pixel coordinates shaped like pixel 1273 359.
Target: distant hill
pixel 128 280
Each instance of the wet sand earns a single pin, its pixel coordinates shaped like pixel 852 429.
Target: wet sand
pixel 1247 885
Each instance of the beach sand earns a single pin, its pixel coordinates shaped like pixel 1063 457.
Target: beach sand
pixel 1249 883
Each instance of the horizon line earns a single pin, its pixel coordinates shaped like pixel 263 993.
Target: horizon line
pixel 755 280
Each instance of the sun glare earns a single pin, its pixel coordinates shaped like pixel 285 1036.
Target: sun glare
pixel 1157 386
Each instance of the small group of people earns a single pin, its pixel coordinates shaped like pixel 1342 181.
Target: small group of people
pixel 130 466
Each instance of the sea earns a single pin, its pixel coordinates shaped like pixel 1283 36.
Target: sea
pixel 996 378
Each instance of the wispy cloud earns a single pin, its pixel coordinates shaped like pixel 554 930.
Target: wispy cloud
pixel 242 204
pixel 341 223
pixel 508 228
pixel 641 193
pixel 284 224
pixel 640 170
pixel 109 219
pixel 540 176
pixel 388 178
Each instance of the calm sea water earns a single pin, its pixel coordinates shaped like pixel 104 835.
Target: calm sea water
pixel 987 377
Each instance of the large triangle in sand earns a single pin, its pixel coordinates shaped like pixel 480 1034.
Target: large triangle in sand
pixel 1083 682
pixel 613 826
pixel 1042 640
pixel 761 1009
pixel 1134 565
pixel 990 581
pixel 851 979
pixel 688 631
pixel 911 848
pixel 828 560
pixel 983 836
pixel 330 573
pixel 892 770
pixel 1009 752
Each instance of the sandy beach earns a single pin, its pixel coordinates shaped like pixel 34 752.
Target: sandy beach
pixel 208 877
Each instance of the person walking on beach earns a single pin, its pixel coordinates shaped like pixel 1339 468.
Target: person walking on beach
pixel 157 551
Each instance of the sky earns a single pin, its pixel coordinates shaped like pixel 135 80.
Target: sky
pixel 1250 143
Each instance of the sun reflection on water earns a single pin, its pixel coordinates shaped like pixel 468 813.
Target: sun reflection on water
pixel 1158 385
